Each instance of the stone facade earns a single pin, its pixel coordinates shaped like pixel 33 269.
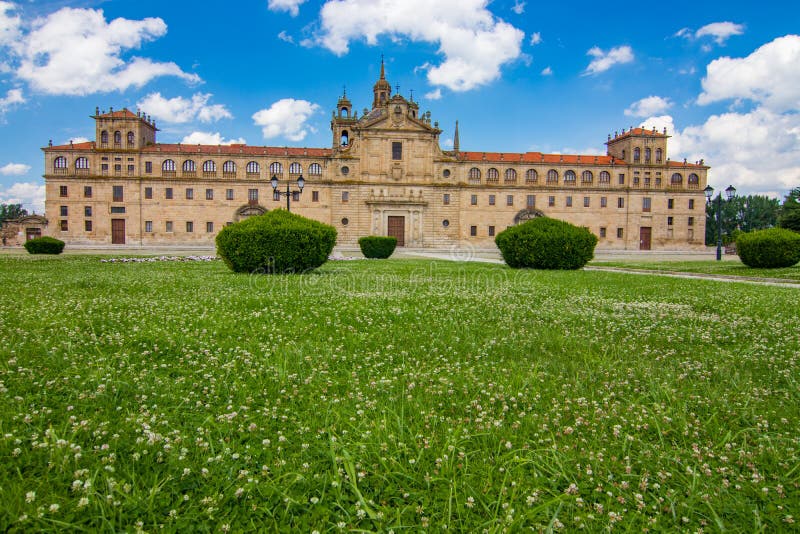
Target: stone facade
pixel 385 174
pixel 14 232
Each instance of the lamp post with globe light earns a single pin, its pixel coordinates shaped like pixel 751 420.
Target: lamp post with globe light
pixel 730 192
pixel 288 193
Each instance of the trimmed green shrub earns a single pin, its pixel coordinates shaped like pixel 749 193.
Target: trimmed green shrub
pixel 376 246
pixel 276 242
pixel 776 247
pixel 545 243
pixel 44 245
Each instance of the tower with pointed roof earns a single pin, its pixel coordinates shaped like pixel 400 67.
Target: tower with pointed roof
pixel 382 90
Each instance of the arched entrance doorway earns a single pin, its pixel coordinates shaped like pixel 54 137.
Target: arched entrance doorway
pixel 248 211
pixel 527 215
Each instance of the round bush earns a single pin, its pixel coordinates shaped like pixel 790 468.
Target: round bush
pixel 44 245
pixel 375 246
pixel 276 242
pixel 545 243
pixel 776 247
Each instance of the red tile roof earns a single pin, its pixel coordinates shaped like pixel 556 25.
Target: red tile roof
pixel 123 114
pixel 538 157
pixel 638 132
pixel 215 149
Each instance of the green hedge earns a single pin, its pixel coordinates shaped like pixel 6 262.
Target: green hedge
pixel 776 247
pixel 44 245
pixel 375 246
pixel 276 242
pixel 544 243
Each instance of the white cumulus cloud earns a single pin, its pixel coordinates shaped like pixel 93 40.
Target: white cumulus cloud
pixel 208 138
pixel 29 194
pixel 518 7
pixel 605 60
pixel 651 105
pixel 290 6
pixel 547 71
pixel 536 38
pixel 15 169
pixel 720 31
pixel 181 110
pixel 286 118
pixel 9 24
pixel 12 98
pixel 436 94
pixel 76 140
pixel 769 76
pixel 77 52
pixel 283 36
pixel 474 43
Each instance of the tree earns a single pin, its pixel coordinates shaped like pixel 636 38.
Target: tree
pixel 747 213
pixel 11 211
pixel 790 211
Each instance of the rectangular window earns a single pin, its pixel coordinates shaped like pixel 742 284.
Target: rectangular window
pixel 646 203
pixel 530 201
pixel 64 225
pixel 117 194
pixel 315 196
pixel 87 226
pixel 569 201
pixel 473 200
pixel 619 233
pixel 148 167
pixel 621 179
pixel 209 227
pixel 209 194
pixel 117 209
pixel 87 191
pixel 229 194
pixel 87 211
pixel 276 196
pixel 64 211
pixel 189 227
pixel 620 202
pixel 551 201
pixel 295 196
pixel 345 196
pixel 168 226
pixel 670 221
pixel 168 193
pixel 670 203
pixel 491 200
pixel 117 168
pixel 130 169
pixel 691 203
pixel 148 193
pixel 446 199
pixel 586 202
pixel 602 231
pixel 189 193
pixel 509 200
pixel 252 195
pixel 603 202
pixel 148 227
pixel 397 150
pixel 473 231
pixel 691 221
pixel 635 180
pixel 491 231
pixel 62 191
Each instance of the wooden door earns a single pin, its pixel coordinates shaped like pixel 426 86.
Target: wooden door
pixel 397 228
pixel 118 231
pixel 645 235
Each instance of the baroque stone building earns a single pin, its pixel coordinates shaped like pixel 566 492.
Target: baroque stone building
pixel 385 174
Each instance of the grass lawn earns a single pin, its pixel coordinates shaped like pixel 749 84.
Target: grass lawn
pixel 728 267
pixel 393 395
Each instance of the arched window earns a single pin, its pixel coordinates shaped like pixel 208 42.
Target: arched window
pixel 82 163
pixel 168 165
pixel 647 153
pixel 295 168
pixel 189 166
pixel 253 167
pixel 637 154
pixel 552 176
pixel 104 137
pixel 345 138
pixel 117 137
pixel 605 177
pixel 209 166
pixel 659 155
pixel 474 175
pixel 229 168
pixel 587 177
pixel 511 176
pixel 569 177
pixel 492 176
pixel 275 168
pixel 60 162
pixel 344 111
pixel 677 179
pixel 131 138
pixel 623 154
pixel 531 176
pixel 315 169
pixel 693 180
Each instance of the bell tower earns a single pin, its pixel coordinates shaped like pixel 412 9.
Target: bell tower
pixel 381 90
pixel 342 122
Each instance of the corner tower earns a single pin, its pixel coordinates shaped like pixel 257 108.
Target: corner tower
pixel 123 130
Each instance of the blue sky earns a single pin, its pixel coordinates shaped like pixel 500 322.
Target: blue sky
pixel 723 77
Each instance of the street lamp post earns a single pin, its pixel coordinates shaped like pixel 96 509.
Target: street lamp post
pixel 288 193
pixel 730 192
